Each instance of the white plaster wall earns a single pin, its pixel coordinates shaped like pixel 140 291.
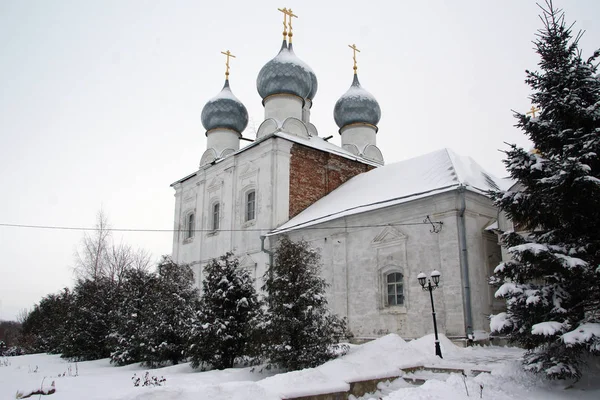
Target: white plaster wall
pixel 282 106
pixel 359 135
pixel 221 139
pixel 355 261
pixel 263 168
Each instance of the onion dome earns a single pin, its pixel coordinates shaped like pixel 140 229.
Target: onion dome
pixel 286 74
pixel 225 111
pixel 356 106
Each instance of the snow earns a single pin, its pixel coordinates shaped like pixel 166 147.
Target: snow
pixel 499 322
pixel 357 92
pixel 226 93
pixel 380 358
pixel 397 183
pixel 582 334
pixel 547 328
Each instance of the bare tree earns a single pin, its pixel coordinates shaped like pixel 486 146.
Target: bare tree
pixel 99 256
pixel 122 257
pixel 90 259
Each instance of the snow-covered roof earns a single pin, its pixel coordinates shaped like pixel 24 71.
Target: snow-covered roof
pixel 396 183
pixel 315 142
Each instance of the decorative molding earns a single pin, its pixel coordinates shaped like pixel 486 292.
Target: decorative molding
pixel 389 236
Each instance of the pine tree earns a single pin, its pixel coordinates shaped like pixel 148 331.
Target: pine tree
pixel 551 284
pixel 300 332
pixel 229 312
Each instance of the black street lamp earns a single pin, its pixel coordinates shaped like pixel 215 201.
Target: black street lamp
pixel 435 277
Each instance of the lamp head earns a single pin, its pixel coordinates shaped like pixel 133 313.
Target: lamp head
pixel 422 278
pixel 435 277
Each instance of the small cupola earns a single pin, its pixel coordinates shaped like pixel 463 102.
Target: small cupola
pixel 357 114
pixel 224 117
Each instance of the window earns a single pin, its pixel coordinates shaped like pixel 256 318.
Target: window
pixel 190 226
pixel 250 205
pixel 395 289
pixel 215 216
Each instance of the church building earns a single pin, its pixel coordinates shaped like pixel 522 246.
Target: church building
pixel 376 226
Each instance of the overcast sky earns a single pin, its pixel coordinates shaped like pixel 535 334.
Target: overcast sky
pixel 100 101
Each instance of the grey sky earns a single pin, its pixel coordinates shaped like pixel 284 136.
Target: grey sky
pixel 100 101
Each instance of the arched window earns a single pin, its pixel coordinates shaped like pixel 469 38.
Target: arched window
pixel 395 289
pixel 190 226
pixel 215 216
pixel 250 205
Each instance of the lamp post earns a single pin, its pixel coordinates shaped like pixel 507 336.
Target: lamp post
pixel 435 277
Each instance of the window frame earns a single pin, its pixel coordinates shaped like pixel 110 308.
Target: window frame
pixel 215 220
pixel 395 284
pixel 190 226
pixel 247 209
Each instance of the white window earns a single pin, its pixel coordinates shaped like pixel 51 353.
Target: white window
pixel 215 216
pixel 395 289
pixel 250 205
pixel 190 227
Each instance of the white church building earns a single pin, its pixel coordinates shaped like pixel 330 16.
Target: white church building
pixel 366 218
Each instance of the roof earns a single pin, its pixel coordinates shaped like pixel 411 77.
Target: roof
pixel 315 142
pixel 423 176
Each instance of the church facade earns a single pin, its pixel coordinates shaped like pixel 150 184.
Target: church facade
pixel 376 227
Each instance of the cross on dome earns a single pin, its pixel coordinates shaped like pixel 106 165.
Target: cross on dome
pixel 228 54
pixel 354 50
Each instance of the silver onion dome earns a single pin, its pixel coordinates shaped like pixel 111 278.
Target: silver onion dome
pixel 356 106
pixel 285 74
pixel 225 111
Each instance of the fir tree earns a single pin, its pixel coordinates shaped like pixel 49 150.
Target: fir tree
pixel 551 284
pixel 229 312
pixel 300 332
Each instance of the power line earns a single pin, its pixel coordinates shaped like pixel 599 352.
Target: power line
pixel 76 228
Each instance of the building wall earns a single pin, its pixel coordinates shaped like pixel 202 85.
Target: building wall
pixel 315 173
pixel 263 168
pixel 356 261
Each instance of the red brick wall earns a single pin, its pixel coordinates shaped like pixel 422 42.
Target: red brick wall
pixel 315 173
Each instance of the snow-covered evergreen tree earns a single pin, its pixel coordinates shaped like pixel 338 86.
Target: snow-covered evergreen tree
pixel 45 329
pixel 229 312
pixel 552 283
pixel 175 313
pixel 89 323
pixel 136 308
pixel 155 315
pixel 300 332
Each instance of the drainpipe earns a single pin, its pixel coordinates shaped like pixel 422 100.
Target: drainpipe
pixel 464 263
pixel 269 252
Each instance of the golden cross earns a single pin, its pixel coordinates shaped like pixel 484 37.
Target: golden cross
pixel 228 54
pixel 290 14
pixel 533 111
pixel 354 50
pixel 285 13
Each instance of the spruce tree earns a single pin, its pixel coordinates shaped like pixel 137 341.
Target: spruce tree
pixel 551 284
pixel 300 332
pixel 229 312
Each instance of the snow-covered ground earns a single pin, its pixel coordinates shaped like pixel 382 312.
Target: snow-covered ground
pixel 377 359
